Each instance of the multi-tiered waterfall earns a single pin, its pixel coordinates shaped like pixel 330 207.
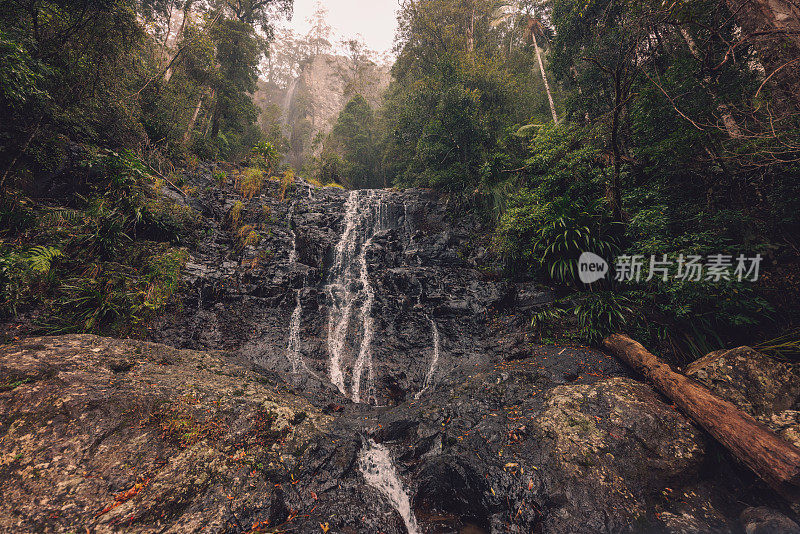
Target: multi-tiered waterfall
pixel 386 295
pixel 351 293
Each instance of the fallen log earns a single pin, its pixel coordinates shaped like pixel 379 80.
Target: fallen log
pixel 772 458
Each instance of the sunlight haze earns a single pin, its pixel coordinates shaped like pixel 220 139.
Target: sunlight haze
pixel 374 20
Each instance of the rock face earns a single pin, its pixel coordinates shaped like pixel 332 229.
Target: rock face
pixel 102 435
pixel 402 258
pixel 125 435
pixel 346 363
pixel 765 388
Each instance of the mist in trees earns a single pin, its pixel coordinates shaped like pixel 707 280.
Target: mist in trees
pixel 615 127
pixel 633 128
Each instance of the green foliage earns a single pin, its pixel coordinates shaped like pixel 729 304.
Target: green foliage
pixel 19 271
pixel 23 76
pixel 460 83
pixel 265 157
pixel 115 298
pixel 558 215
pixel 350 152
pixel 40 259
pixel 587 316
pixel 548 237
pixel 92 271
pixel 602 313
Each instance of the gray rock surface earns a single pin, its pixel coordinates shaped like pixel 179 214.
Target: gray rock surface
pixel 501 436
pixel 766 388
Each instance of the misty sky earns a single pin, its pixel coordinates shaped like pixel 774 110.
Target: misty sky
pixel 373 19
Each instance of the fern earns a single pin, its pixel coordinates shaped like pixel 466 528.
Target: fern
pixel 62 217
pixel 40 259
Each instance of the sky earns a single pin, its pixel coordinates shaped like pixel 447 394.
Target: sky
pixel 374 20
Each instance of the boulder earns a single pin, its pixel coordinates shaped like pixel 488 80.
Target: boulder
pixel 619 458
pixel 100 434
pixel 764 520
pixel 766 388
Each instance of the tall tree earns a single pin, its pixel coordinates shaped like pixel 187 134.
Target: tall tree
pixel 773 27
pixel 533 26
pixel 319 35
pixel 352 139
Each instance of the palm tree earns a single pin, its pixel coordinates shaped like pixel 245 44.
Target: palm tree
pixel 509 9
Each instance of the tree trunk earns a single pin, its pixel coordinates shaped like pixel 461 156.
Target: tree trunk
pixel 186 10
pixel 775 460
pixel 471 31
pixel 774 29
pixel 215 119
pixel 187 135
pixel 614 188
pixel 207 126
pixel 544 77
pixel 169 26
pixel 728 121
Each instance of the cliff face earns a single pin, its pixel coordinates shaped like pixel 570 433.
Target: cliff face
pixel 352 368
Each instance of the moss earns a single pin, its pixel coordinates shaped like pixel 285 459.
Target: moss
pixel 317 183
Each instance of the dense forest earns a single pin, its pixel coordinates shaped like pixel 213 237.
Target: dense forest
pixel 533 268
pixel 626 129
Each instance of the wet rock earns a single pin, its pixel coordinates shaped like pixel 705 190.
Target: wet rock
pixel 614 449
pixel 102 434
pixel 487 432
pixel 530 296
pixel 763 520
pixel 763 387
pixel 418 264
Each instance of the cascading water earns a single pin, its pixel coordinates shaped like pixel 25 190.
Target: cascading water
pixel 293 349
pixel 434 359
pixel 350 290
pixel 365 354
pixel 293 251
pixel 375 464
pixel 339 292
pixel 406 220
pixel 288 100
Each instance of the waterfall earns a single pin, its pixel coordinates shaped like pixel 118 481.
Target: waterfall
pixel 434 359
pixel 376 465
pixel 365 354
pixel 293 348
pixel 350 290
pixel 406 220
pixel 288 100
pixel 290 224
pixel 339 292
